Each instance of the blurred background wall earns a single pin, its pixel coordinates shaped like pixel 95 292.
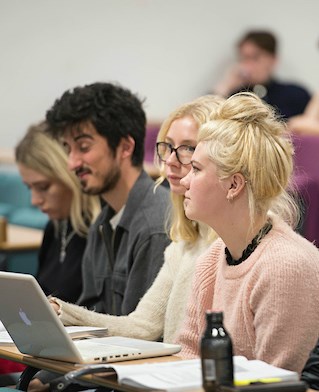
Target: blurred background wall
pixel 168 51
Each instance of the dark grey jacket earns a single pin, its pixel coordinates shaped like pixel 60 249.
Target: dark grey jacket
pixel 310 373
pixel 116 276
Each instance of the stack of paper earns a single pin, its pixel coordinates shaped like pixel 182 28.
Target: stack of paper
pixel 183 375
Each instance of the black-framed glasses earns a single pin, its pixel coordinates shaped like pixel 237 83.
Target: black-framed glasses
pixel 183 152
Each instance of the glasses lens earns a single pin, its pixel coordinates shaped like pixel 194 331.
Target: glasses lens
pixel 163 150
pixel 185 154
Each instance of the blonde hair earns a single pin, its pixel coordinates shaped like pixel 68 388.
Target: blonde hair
pixel 201 110
pixel 247 137
pixel 40 152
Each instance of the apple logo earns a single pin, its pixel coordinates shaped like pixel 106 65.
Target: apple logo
pixel 24 317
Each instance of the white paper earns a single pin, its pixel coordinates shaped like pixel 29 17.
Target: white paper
pixel 168 376
pixel 182 375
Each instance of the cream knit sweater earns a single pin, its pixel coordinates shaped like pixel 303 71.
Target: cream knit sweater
pixel 161 310
pixel 270 301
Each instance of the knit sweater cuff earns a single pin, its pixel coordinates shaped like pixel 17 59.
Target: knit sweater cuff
pixel 69 313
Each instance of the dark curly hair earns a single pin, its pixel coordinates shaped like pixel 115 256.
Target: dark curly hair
pixel 114 111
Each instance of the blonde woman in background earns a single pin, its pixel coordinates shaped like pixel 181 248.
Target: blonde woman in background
pixel 260 273
pixel 161 310
pixel 56 191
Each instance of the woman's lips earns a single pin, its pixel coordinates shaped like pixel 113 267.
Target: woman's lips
pixel 172 177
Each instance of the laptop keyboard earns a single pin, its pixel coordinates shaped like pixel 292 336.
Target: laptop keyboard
pixel 91 349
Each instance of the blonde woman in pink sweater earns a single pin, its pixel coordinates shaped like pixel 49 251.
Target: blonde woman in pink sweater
pixel 260 273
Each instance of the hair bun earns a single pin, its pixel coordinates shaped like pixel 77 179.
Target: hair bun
pixel 246 107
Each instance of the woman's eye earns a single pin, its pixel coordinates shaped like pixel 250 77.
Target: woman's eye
pixel 190 149
pixel 43 188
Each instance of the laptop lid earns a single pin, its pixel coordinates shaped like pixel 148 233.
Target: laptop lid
pixel 37 331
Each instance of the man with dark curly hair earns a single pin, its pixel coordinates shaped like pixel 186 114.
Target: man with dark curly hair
pixel 102 127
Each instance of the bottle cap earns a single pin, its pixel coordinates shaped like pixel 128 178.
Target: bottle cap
pixel 215 317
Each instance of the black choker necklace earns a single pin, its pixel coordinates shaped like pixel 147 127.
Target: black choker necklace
pixel 251 247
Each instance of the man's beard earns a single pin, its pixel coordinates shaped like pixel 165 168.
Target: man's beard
pixel 109 183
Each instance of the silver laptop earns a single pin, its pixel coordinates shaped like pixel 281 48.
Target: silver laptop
pixel 37 331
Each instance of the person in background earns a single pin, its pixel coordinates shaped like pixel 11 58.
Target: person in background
pixel 307 123
pixel 256 271
pixel 255 71
pixel 55 190
pixel 161 310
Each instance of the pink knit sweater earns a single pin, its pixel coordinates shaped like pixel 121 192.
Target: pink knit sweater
pixel 270 301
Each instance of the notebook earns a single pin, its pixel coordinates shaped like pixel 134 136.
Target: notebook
pixel 37 331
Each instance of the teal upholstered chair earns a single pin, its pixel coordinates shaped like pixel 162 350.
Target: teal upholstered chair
pixel 15 201
pixel 15 206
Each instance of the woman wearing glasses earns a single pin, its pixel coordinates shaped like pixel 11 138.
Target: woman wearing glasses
pixel 161 311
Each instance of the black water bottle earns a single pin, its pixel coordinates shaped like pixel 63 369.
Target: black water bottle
pixel 216 354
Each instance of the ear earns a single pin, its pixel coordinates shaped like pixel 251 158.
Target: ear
pixel 237 184
pixel 126 147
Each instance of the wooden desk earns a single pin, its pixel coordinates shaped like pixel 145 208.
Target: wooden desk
pixel 7 156
pixel 19 253
pixel 108 379
pixel 20 238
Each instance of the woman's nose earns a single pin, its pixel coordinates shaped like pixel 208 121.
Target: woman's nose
pixel 185 180
pixel 36 199
pixel 172 159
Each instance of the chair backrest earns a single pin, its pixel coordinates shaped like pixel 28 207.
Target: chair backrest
pixel 12 189
pixel 306 155
pixel 150 141
pixel 15 200
pixel 306 178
